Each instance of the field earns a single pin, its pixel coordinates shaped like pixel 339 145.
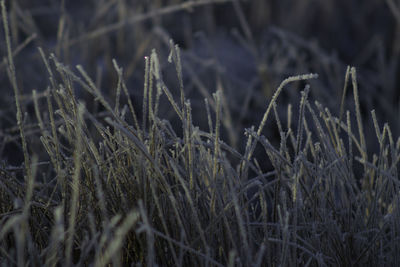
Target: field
pixel 199 133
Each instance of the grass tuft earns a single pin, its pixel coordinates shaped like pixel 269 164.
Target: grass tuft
pixel 112 177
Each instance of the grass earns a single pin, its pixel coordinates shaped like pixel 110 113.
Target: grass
pixel 106 178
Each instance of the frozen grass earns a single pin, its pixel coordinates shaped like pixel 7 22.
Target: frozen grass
pixel 122 185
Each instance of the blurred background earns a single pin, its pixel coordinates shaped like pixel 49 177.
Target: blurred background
pixel 246 48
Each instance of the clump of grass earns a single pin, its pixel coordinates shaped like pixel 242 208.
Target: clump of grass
pixel 123 189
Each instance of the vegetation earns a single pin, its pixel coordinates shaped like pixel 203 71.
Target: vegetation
pixel 97 172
